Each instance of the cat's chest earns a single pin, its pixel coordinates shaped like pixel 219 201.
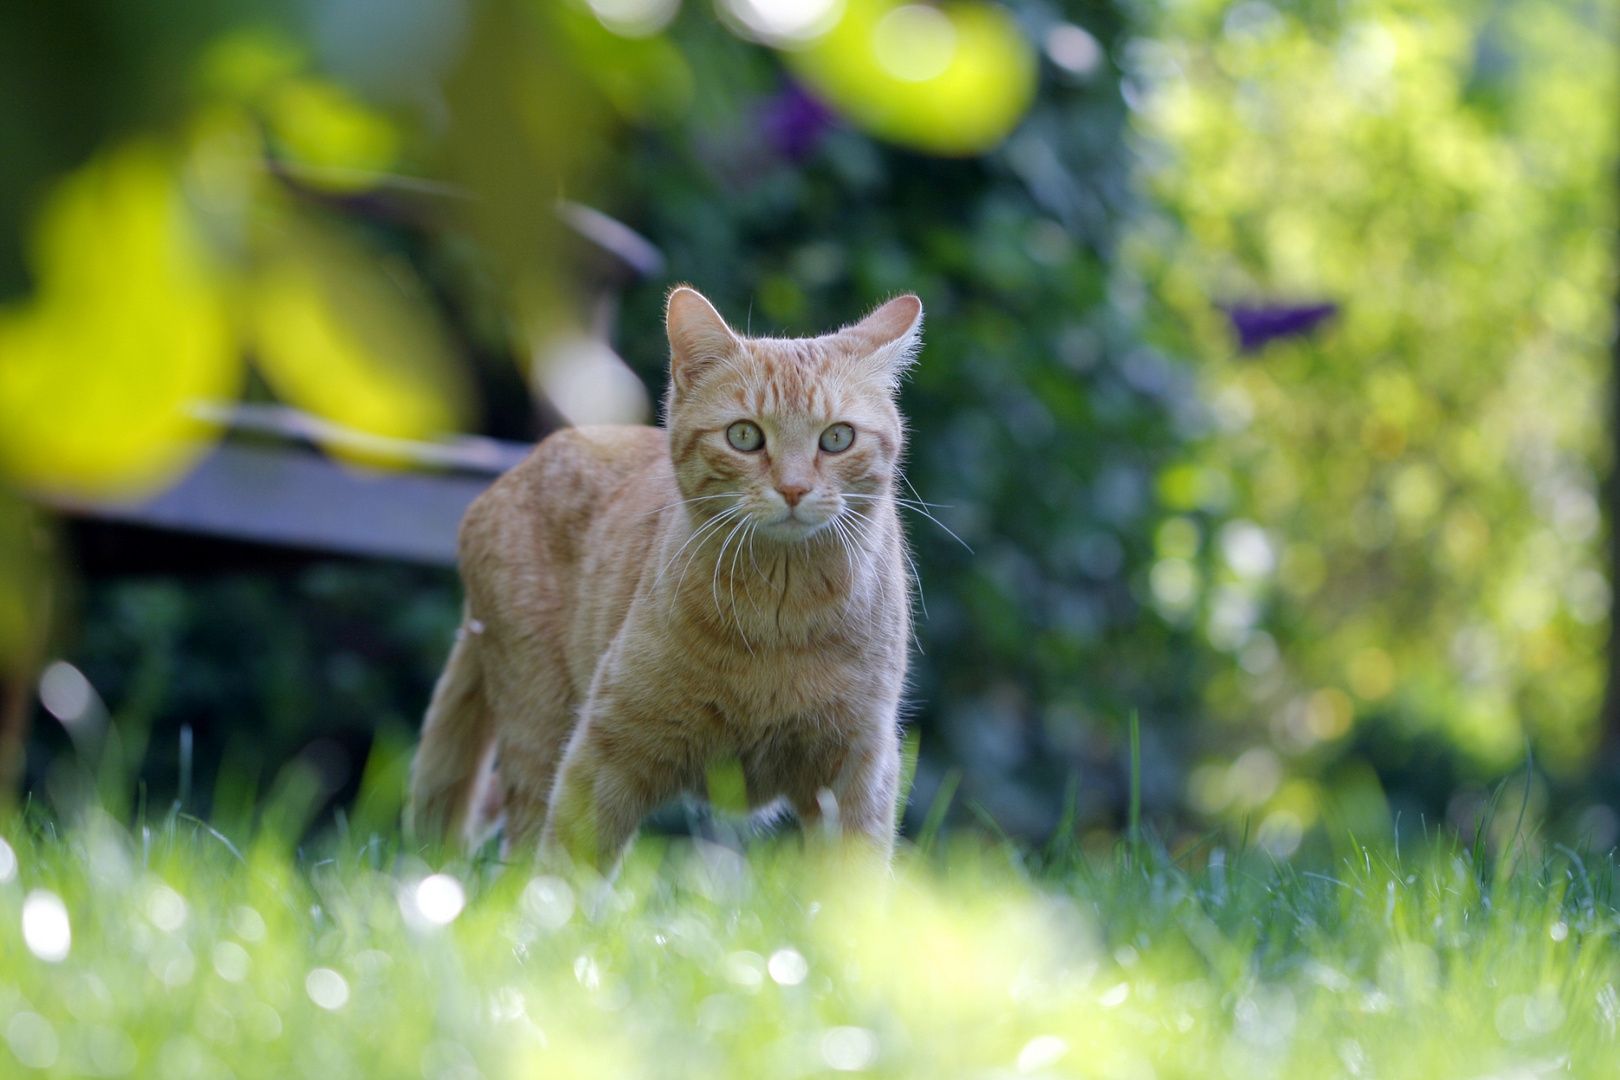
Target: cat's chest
pixel 749 686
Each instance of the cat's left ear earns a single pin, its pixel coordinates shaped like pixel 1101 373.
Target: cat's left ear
pixel 885 343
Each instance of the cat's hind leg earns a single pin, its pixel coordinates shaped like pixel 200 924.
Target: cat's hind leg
pixel 454 751
pixel 533 705
pixel 527 773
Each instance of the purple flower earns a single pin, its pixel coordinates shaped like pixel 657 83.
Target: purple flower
pixel 793 122
pixel 1259 324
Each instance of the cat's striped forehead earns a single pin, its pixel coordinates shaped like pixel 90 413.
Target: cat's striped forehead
pixel 812 376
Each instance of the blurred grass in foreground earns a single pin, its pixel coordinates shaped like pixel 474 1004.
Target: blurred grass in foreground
pixel 168 951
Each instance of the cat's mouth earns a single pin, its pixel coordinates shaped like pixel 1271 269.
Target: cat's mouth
pixel 793 525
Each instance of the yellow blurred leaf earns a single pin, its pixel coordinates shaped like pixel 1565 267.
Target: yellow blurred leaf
pixel 348 338
pixel 341 143
pixel 126 332
pixel 949 79
pixel 647 79
pixel 244 65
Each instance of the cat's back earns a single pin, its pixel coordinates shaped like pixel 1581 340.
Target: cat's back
pixel 538 515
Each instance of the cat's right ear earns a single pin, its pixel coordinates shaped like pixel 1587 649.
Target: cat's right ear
pixel 698 337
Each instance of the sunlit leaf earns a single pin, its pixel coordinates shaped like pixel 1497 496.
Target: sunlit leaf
pixel 647 79
pixel 948 79
pixel 127 331
pixel 350 339
pixel 341 142
pixel 244 65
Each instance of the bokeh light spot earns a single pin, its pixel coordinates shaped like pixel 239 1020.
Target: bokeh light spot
pixel 914 42
pixel 1372 674
pixel 548 901
pixel 231 961
pixel 785 22
pixel 788 967
pixel 634 18
pixel 248 924
pixel 1280 833
pixel 1073 49
pixel 65 692
pixel 33 1040
pixel 849 1049
pixel 1040 1052
pixel 439 899
pixel 166 908
pixel 745 969
pixel 327 988
pixel 45 926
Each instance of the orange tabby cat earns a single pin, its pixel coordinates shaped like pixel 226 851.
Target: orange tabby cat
pixel 643 602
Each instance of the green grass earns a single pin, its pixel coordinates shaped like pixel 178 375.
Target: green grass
pixel 192 957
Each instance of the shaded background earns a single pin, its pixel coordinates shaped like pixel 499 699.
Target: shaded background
pixel 1266 371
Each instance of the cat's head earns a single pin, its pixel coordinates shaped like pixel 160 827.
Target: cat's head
pixel 786 433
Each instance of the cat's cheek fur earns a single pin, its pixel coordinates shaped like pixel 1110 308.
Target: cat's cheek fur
pixel 645 602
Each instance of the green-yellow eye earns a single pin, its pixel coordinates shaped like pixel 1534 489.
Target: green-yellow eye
pixel 745 435
pixel 837 439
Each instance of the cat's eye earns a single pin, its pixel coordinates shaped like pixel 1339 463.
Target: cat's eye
pixel 745 435
pixel 836 439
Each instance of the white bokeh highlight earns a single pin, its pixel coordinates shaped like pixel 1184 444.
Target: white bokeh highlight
pixel 438 899
pixel 327 988
pixel 45 926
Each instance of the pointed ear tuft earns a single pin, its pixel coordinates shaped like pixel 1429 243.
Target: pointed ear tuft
pixel 886 342
pixel 698 336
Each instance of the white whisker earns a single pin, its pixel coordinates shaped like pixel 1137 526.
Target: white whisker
pixel 732 577
pixel 705 531
pixel 697 532
pixel 719 558
pixel 919 507
pixel 754 564
pixel 842 529
pixel 689 502
pixel 906 480
pixel 916 577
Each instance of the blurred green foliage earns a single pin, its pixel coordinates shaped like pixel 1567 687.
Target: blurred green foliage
pixel 1392 526
pixel 261 668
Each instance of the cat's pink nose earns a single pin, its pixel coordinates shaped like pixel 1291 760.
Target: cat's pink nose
pixel 792 493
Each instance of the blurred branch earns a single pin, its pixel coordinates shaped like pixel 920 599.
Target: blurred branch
pixel 16 700
pixel 469 453
pixel 400 200
pixel 14 716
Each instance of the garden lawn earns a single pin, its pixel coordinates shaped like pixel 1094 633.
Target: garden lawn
pixel 168 952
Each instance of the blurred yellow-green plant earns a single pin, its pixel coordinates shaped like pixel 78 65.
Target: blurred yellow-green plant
pixel 160 266
pixel 1396 519
pixel 352 339
pixel 128 328
pixel 951 78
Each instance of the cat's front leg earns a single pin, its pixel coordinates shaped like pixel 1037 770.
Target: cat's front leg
pixel 603 790
pixel 862 791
